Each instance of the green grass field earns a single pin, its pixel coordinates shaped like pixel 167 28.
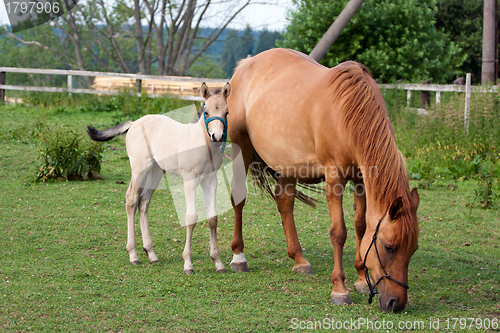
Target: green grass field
pixel 63 264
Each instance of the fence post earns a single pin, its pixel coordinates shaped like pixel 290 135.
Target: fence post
pixel 138 85
pixel 408 97
pixel 2 91
pixel 467 102
pixel 70 84
pixel 425 96
pixel 438 97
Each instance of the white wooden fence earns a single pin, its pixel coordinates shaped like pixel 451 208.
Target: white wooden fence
pixel 71 73
pixel 468 89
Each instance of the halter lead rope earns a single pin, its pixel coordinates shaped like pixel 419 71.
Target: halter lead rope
pixel 224 123
pixel 373 292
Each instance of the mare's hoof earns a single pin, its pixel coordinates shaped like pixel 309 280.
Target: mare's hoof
pixel 188 271
pixel 135 263
pixel 362 288
pixel 154 262
pixel 221 270
pixel 341 299
pixel 239 266
pixel 304 269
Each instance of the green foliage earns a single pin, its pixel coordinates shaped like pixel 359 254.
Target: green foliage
pixel 483 193
pixel 394 39
pixel 65 153
pixel 206 66
pixel 438 144
pixel 236 47
pixel 267 40
pixel 462 22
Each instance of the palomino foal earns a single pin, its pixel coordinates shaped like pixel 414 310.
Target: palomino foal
pixel 157 144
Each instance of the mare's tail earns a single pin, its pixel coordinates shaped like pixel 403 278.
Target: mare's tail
pixel 109 133
pixel 265 177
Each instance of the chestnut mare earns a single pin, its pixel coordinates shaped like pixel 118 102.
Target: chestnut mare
pixel 300 122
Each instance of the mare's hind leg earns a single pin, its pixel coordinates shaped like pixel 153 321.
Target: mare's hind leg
pixel 153 178
pixel 360 225
pixel 191 219
pixel 242 156
pixel 338 234
pixel 285 194
pixel 209 186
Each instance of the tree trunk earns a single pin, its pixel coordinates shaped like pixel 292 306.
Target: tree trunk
pixel 489 47
pixel 335 30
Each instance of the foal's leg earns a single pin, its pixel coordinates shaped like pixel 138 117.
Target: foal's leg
pixel 132 202
pixel 154 177
pixel 360 226
pixel 338 235
pixel 209 186
pixel 285 194
pixel 191 220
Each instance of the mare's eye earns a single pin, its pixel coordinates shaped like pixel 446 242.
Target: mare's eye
pixel 389 248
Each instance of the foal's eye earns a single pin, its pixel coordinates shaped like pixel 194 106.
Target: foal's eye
pixel 389 248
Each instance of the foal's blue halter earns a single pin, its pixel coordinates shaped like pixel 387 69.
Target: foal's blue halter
pixel 224 122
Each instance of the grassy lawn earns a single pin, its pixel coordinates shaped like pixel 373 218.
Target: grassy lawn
pixel 64 267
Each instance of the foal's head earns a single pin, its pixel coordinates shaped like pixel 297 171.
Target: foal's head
pixel 215 112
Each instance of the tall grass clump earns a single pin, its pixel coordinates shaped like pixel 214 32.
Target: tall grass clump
pixel 65 153
pixel 437 143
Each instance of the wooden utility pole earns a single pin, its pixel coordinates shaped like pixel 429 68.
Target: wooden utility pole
pixel 335 30
pixel 489 43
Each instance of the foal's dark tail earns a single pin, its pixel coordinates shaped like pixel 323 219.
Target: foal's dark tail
pixel 109 133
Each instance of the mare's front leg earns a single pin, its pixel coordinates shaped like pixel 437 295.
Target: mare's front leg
pixel 209 186
pixel 285 195
pixel 338 234
pixel 360 225
pixel 190 186
pixel 242 156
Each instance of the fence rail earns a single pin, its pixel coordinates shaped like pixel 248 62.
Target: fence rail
pixel 71 73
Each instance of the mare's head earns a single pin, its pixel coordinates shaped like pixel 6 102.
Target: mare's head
pixel 215 112
pixel 387 251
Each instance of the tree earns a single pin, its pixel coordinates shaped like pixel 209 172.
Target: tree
pixel 267 40
pixel 236 48
pixel 109 37
pixel 395 39
pixel 462 22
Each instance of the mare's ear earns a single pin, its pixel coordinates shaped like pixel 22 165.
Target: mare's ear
pixel 396 208
pixel 204 91
pixel 226 92
pixel 415 199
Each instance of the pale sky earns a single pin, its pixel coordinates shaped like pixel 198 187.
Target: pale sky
pixel 258 16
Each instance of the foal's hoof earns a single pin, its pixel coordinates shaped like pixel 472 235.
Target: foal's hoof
pixel 341 299
pixel 188 271
pixel 362 288
pixel 239 266
pixel 154 261
pixel 221 270
pixel 304 269
pixel 135 262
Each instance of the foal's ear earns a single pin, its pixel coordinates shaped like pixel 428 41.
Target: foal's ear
pixel 415 198
pixel 226 92
pixel 204 91
pixel 396 208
